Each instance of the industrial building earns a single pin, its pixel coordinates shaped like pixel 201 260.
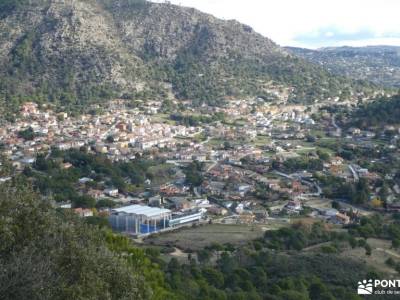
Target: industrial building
pixel 138 219
pixel 143 220
pixel 184 218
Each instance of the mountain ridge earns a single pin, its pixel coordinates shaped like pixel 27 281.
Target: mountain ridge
pixel 377 64
pixel 75 52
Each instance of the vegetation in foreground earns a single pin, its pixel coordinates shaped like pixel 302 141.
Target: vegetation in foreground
pixel 52 254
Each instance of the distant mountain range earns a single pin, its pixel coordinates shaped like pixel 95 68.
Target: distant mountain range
pixel 378 64
pixel 80 51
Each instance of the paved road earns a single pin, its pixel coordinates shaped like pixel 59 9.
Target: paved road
pixel 213 164
pixel 305 181
pixel 353 171
pixel 196 192
pixel 361 209
pixel 206 141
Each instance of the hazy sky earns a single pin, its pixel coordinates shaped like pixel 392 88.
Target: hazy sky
pixel 313 23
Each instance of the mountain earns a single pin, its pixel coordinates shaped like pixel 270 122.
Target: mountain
pixel 378 64
pixel 76 52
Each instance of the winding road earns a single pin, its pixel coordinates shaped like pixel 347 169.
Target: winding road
pixel 309 183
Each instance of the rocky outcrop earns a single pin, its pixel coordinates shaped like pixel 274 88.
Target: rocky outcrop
pixel 71 51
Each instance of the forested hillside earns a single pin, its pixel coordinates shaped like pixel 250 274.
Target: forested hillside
pixel 48 253
pixel 76 52
pixel 381 112
pixel 51 254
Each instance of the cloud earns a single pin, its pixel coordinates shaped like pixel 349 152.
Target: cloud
pixel 300 22
pixel 330 36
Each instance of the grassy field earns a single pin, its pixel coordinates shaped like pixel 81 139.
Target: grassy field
pixel 161 173
pixel 261 140
pixel 214 142
pixel 199 237
pixel 305 150
pixel 200 137
pixel 163 118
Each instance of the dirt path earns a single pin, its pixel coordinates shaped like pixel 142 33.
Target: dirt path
pixel 390 252
pixel 178 253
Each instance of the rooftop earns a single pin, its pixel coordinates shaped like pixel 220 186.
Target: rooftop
pixel 142 210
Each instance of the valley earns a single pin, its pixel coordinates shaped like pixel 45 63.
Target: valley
pixel 149 150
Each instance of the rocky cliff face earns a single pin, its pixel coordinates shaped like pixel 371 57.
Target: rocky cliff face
pixel 55 39
pixel 166 30
pixel 73 51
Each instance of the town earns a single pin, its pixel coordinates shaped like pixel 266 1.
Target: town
pixel 198 150
pixel 251 162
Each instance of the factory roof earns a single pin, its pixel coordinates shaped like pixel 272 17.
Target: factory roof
pixel 142 210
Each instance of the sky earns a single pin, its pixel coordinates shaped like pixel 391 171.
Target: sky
pixel 312 23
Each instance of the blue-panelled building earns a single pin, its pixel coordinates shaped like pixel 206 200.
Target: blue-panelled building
pixel 143 220
pixel 138 219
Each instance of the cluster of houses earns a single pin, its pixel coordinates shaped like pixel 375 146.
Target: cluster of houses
pixel 262 118
pixel 119 133
pixel 331 215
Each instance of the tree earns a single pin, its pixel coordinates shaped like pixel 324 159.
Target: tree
pixel 214 277
pixel 390 262
pixel 110 139
pixel 84 201
pixel 318 291
pixel 384 192
pixel 105 203
pixel 396 243
pixel 361 194
pixel 194 173
pixel 311 139
pixel 227 145
pixel 97 221
pixel 353 242
pixel 203 255
pixel 41 163
pixel 323 155
pixel 336 205
pixel 293 295
pixel 49 254
pixel 368 249
pixel 27 134
pixel 376 203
